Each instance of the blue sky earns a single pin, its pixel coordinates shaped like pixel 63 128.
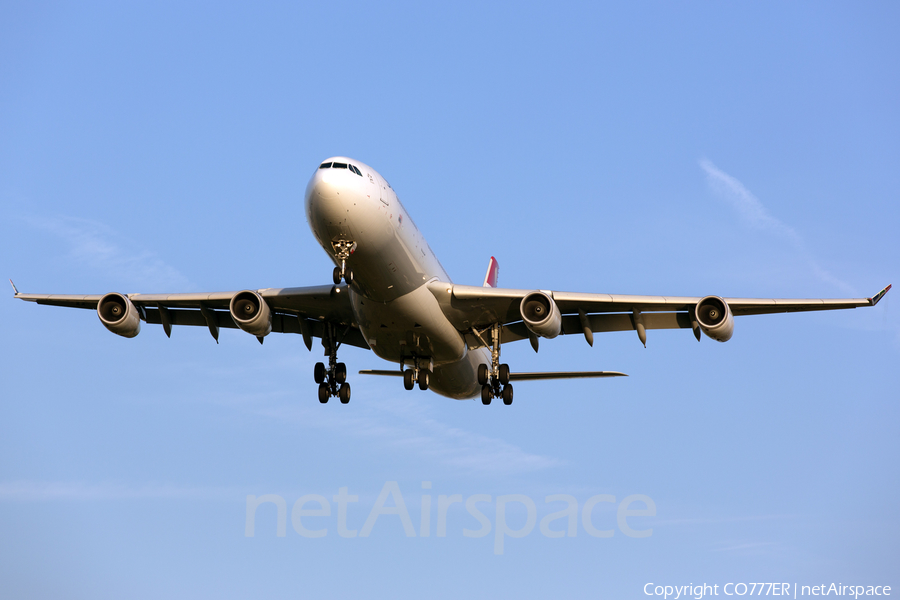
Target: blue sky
pixel 743 149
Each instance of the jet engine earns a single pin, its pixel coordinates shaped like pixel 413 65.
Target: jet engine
pixel 715 318
pixel 119 315
pixel 251 313
pixel 541 315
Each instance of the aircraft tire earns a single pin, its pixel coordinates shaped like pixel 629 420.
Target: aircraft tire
pixel 344 393
pixel 504 374
pixel 482 374
pixel 486 394
pixel 507 394
pixel 340 372
pixel 424 379
pixel 409 379
pixel 324 393
pixel 319 372
pixel 336 276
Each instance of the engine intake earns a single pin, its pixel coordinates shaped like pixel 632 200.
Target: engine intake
pixel 541 315
pixel 119 315
pixel 715 318
pixel 251 313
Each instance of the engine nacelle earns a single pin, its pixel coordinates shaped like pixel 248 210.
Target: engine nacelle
pixel 541 315
pixel 715 318
pixel 119 315
pixel 251 313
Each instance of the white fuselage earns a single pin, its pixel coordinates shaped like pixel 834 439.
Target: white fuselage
pixel 397 314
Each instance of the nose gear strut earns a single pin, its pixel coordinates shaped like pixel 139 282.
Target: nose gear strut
pixel 342 251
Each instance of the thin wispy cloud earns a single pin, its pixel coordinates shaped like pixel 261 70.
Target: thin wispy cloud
pixel 755 215
pixel 411 431
pixel 749 547
pixel 722 519
pixel 35 491
pixel 98 247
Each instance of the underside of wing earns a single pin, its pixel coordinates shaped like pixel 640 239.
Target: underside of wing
pixel 531 314
pixel 304 310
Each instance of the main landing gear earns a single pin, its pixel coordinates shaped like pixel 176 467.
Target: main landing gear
pixel 417 373
pixel 342 250
pixel 333 380
pixel 495 380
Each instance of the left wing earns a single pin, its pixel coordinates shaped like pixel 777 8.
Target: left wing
pixel 471 308
pixel 303 310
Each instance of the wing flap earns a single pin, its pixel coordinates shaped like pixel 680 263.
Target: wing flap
pixel 571 324
pixel 281 323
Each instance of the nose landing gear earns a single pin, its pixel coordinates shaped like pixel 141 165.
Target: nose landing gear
pixel 333 380
pixel 342 251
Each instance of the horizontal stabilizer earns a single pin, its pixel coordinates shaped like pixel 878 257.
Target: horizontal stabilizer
pixel 520 376
pixel 391 373
pixel 564 375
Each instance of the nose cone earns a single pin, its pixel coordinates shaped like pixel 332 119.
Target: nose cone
pixel 336 183
pixel 325 184
pixel 335 197
pixel 328 193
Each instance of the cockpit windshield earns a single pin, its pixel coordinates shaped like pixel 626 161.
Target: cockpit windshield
pixel 337 165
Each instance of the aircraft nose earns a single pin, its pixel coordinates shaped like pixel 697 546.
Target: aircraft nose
pixel 330 196
pixel 324 186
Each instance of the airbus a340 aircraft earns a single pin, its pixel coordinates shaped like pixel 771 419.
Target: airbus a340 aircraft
pixel 391 295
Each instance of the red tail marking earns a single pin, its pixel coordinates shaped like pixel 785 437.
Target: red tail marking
pixel 493 272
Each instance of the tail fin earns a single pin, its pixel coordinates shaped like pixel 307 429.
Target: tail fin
pixel 493 272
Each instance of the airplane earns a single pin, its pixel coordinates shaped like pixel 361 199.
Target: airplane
pixel 390 294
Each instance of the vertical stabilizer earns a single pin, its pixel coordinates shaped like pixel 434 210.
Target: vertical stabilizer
pixel 493 272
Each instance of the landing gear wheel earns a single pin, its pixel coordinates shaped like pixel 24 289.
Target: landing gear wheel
pixel 504 374
pixel 507 394
pixel 319 372
pixel 340 372
pixel 424 379
pixel 344 393
pixel 482 374
pixel 324 393
pixel 348 276
pixel 409 379
pixel 486 394
pixel 336 276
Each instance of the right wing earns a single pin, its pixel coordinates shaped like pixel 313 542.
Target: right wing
pixel 303 310
pixel 470 308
